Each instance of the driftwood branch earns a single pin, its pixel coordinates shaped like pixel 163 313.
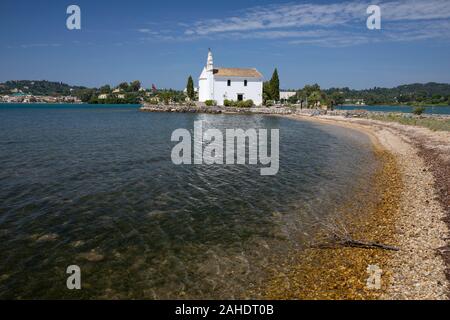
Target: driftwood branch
pixel 335 234
pixel 356 244
pixel 369 245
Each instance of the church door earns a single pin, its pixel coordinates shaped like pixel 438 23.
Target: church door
pixel 240 97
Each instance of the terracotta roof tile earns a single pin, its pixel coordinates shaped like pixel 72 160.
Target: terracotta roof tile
pixel 237 72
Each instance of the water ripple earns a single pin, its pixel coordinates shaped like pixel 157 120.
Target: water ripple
pixel 96 187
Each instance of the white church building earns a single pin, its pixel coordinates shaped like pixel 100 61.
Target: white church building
pixel 235 84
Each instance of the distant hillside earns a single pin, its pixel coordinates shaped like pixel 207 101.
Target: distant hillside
pixel 413 94
pixel 417 93
pixel 38 87
pixel 430 88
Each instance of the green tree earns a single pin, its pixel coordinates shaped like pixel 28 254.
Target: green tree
pixel 105 89
pixel 308 89
pixel 267 94
pixel 314 97
pixel 166 96
pixel 135 85
pixel 123 86
pixel 86 95
pixel 337 98
pixel 275 86
pixel 190 88
pixel 294 98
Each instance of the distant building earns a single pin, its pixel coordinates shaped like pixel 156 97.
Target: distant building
pixel 117 90
pixel 70 99
pixel 358 102
pixel 103 96
pixel 195 90
pixel 121 96
pixel 284 95
pixel 229 83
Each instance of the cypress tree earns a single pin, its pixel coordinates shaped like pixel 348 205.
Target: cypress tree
pixel 190 88
pixel 275 86
pixel 267 92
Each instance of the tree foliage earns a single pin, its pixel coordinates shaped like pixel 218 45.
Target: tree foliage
pixel 39 87
pixel 124 86
pixel 271 88
pixel 275 86
pixel 105 89
pixel 190 88
pixel 135 85
pixel 411 94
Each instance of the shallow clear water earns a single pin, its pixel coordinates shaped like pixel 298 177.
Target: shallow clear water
pixel 444 110
pixel 80 178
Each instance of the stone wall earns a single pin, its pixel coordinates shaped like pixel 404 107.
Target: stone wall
pixel 198 108
pixel 215 109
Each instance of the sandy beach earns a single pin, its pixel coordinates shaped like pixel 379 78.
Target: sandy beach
pixel 412 214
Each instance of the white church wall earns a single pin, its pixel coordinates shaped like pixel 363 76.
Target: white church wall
pixel 203 92
pixel 252 91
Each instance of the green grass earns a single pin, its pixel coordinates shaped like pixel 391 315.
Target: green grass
pixel 430 123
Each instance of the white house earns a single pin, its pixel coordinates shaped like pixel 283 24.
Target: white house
pixel 230 83
pixel 284 95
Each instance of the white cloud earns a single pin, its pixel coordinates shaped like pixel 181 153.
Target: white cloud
pixel 148 31
pixel 416 10
pixel 37 45
pixel 334 24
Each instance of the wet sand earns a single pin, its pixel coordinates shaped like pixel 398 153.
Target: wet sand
pixel 411 214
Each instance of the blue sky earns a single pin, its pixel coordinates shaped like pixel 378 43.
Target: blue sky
pixel 163 42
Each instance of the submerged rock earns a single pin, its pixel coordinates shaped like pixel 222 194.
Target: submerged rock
pixel 77 243
pixel 92 256
pixel 47 237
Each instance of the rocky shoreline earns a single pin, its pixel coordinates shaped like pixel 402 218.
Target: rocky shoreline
pixel 418 160
pixel 182 108
pixel 278 110
pixel 341 272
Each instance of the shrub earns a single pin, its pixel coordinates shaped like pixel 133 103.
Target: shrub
pixel 418 110
pixel 210 103
pixel 228 103
pixel 269 103
pixel 153 101
pixel 249 103
pixel 245 104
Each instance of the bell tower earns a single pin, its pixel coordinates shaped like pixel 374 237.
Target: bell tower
pixel 209 61
pixel 206 80
pixel 210 75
